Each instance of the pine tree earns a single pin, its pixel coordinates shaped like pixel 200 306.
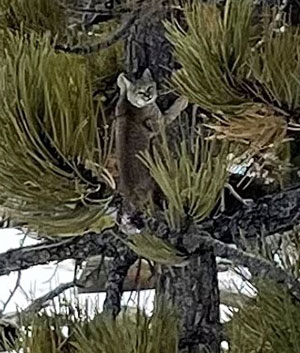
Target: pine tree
pixel 237 63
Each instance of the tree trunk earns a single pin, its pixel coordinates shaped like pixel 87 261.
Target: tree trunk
pixel 194 289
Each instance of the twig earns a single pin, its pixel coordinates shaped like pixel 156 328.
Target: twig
pixel 12 293
pixel 15 320
pixel 52 276
pixel 17 285
pixel 112 12
pixel 245 202
pixel 25 294
pixel 42 301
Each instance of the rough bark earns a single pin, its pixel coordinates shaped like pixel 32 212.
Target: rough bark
pixel 275 213
pixel 198 242
pixel 194 291
pixel 268 215
pixel 93 12
pixel 79 248
pixel 117 273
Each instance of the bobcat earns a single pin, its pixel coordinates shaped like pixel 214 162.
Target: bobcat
pixel 138 118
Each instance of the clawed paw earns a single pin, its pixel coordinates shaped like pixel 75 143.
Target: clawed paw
pixel 176 108
pixel 182 103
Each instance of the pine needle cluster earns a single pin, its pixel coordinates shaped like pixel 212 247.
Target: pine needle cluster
pixel 190 174
pixel 39 16
pixel 242 67
pixel 72 329
pixel 55 140
pixel 268 323
pixel 49 136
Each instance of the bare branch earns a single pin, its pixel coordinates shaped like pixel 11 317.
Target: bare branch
pixel 42 301
pixel 13 319
pixel 12 293
pixel 271 214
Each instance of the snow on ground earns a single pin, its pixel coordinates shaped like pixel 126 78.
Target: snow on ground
pixel 232 282
pixel 39 280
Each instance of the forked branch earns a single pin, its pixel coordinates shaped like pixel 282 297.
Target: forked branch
pixel 257 265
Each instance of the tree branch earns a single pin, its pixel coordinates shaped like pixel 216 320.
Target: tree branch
pixel 92 16
pixel 12 320
pixel 117 273
pixel 12 293
pixel 270 214
pixel 42 301
pixel 198 242
pixel 275 213
pixel 79 248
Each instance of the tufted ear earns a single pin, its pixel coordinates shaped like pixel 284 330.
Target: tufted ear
pixel 123 82
pixel 147 75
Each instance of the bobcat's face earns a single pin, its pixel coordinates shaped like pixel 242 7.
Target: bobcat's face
pixel 140 93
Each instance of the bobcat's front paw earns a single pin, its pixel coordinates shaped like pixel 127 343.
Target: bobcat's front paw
pixel 176 108
pixel 181 103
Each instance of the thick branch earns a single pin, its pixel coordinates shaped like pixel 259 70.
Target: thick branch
pixel 194 291
pixel 271 214
pixel 117 273
pixel 258 266
pixel 78 248
pixel 275 213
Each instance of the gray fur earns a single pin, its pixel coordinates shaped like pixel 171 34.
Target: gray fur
pixel 138 118
pixel 140 93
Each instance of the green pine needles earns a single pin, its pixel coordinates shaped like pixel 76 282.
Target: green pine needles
pixel 33 15
pixel 71 329
pixel 242 65
pixel 212 52
pixel 270 323
pixel 52 162
pixel 191 176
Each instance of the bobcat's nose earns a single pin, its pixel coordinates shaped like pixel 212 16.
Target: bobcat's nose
pixel 148 97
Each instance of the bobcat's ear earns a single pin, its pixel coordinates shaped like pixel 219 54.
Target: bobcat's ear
pixel 123 82
pixel 147 75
